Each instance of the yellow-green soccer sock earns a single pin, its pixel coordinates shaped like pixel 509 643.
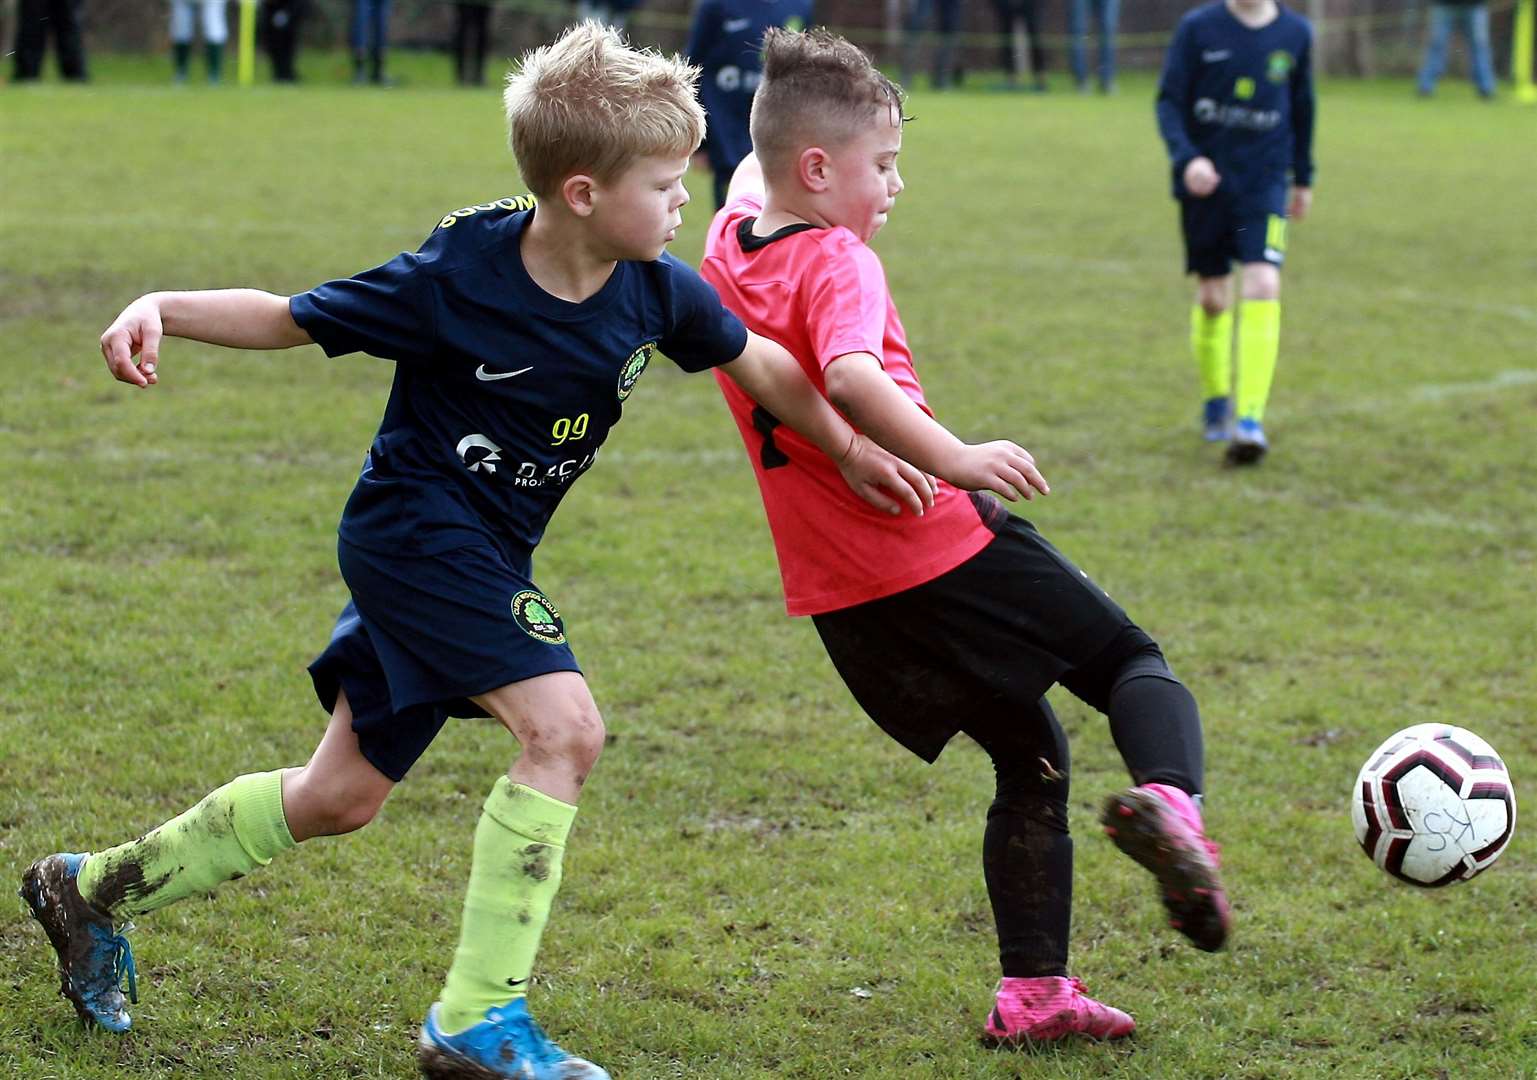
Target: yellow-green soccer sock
pixel 514 876
pixel 1211 339
pixel 1259 342
pixel 231 832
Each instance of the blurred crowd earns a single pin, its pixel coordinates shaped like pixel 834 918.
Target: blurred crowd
pixel 931 38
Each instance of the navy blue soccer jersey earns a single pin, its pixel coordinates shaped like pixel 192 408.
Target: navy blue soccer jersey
pixel 727 42
pixel 1242 97
pixel 503 394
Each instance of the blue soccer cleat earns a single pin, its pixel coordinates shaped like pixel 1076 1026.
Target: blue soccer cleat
pixel 1216 418
pixel 507 1045
pixel 94 958
pixel 1249 443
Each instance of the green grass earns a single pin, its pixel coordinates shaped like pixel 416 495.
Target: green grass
pixel 750 850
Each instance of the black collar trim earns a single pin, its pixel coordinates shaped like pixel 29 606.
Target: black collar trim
pixel 752 242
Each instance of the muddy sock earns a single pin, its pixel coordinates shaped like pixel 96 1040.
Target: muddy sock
pixel 231 832
pixel 1027 861
pixel 514 875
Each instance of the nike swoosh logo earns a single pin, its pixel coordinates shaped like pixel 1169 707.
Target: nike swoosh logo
pixel 485 376
pixel 1211 56
pixel 731 26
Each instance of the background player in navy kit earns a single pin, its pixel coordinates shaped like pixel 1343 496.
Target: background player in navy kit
pixel 726 41
pixel 1235 107
pixel 518 333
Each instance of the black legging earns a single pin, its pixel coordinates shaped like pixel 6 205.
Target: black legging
pixel 1008 11
pixel 281 20
pixel 470 23
pixel 1027 854
pixel 34 18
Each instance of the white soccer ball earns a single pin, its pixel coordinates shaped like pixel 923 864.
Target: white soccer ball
pixel 1434 805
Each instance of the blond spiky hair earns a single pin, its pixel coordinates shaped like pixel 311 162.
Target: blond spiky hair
pixel 590 103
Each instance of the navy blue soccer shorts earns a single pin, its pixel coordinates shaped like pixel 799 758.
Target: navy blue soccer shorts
pixel 424 634
pixel 1225 227
pixel 975 649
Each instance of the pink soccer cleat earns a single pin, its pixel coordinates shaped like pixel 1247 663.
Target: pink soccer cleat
pixel 1047 1009
pixel 1160 827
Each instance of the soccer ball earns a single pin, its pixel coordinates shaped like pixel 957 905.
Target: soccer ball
pixel 1433 805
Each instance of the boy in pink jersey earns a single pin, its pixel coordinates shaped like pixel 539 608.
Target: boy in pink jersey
pixel 961 619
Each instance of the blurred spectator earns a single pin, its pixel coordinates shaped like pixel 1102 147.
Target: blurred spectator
pixel 1472 18
pixel 1106 13
pixel 34 18
pixel 609 12
pixel 1010 14
pixel 215 34
pixel 280 25
pixel 726 41
pixel 471 24
pixel 370 38
pixel 919 13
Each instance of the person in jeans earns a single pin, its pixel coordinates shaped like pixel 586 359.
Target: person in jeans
pixel 1472 18
pixel 1106 13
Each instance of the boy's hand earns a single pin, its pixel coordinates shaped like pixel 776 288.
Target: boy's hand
pixel 1201 177
pixel 998 466
pixel 136 332
pixel 884 480
pixel 1301 203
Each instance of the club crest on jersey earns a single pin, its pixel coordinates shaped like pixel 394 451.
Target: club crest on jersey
pixel 629 375
pixel 1278 66
pixel 537 617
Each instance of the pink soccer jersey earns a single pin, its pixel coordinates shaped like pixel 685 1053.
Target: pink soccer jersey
pixel 821 293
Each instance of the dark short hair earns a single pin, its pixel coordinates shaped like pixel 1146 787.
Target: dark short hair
pixel 817 88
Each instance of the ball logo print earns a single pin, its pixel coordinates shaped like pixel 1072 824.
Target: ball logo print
pixel 1434 805
pixel 537 617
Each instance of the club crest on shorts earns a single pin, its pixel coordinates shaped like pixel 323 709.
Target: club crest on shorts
pixel 537 617
pixel 629 375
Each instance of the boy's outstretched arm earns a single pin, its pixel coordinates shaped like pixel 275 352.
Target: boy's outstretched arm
pixel 238 318
pixel 771 377
pixel 858 385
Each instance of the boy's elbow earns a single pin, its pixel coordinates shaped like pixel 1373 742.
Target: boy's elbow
pixel 840 387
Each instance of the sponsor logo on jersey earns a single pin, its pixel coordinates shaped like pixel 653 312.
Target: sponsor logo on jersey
pixel 479 454
pixel 492 376
pixel 1278 66
pixel 511 202
pixel 629 375
pixel 537 617
pixel 1207 111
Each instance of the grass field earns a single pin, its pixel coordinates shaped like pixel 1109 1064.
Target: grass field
pixel 759 884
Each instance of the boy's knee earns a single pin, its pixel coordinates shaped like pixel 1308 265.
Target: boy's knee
pixel 1214 295
pixel 1261 281
pixel 1131 654
pixel 350 816
pixel 329 806
pixel 571 734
